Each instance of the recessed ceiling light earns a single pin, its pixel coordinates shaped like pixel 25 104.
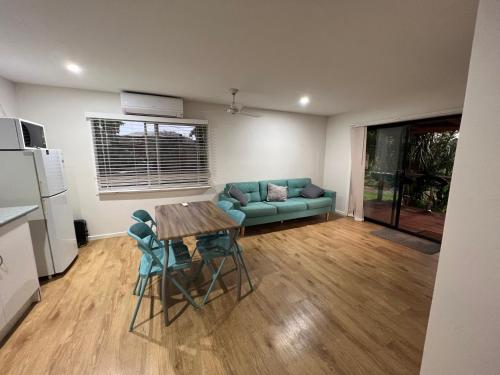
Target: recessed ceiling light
pixel 73 68
pixel 304 100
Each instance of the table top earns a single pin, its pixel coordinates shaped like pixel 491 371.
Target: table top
pixel 178 221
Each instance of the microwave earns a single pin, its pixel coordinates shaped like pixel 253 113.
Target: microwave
pixel 19 134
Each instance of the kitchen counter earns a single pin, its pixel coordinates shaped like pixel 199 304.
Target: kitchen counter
pixel 7 214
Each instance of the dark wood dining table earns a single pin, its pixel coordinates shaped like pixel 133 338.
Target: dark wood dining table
pixel 176 221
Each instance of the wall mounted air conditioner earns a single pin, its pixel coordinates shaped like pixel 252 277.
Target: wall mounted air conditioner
pixel 151 105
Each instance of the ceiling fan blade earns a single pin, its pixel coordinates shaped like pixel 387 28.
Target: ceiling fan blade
pixel 248 114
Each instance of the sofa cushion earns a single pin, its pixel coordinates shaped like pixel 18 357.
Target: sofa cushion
pixel 295 186
pixel 256 209
pixel 263 187
pixel 236 193
pixel 312 191
pixel 250 189
pixel 276 193
pixel 289 206
pixel 313 203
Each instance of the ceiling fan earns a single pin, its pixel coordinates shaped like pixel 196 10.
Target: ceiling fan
pixel 236 108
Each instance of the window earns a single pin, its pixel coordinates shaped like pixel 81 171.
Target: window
pixel 143 155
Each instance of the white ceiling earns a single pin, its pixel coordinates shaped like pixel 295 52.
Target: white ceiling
pixel 346 55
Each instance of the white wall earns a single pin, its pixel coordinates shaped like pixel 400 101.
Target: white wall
pixel 463 335
pixel 8 106
pixel 276 145
pixel 337 172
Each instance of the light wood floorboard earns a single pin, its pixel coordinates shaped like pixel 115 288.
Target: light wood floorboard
pixel 330 298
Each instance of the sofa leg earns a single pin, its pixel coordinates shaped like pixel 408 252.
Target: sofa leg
pixel 327 215
pixel 242 231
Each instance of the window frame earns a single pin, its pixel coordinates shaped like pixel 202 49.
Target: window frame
pixel 90 116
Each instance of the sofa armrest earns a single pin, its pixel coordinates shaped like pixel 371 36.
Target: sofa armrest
pixel 235 202
pixel 331 194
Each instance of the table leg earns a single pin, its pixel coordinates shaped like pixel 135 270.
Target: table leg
pixel 164 286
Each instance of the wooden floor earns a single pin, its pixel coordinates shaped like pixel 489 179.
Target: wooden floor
pixel 330 298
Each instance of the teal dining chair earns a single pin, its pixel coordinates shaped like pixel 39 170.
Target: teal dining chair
pixel 223 205
pixel 152 263
pixel 223 246
pixel 143 216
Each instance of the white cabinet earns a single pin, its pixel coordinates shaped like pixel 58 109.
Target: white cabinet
pixel 18 275
pixel 3 321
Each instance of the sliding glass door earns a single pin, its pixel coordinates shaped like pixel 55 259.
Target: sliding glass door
pixel 384 158
pixel 408 174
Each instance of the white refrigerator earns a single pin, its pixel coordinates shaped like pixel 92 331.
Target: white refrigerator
pixel 56 208
pixel 37 177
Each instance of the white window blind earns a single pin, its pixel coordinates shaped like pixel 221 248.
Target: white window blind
pixel 141 155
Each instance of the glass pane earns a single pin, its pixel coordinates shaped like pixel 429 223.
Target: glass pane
pixel 383 164
pixel 138 155
pixel 426 183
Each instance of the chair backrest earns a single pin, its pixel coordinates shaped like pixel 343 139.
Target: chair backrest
pixel 225 205
pixel 146 238
pixel 239 217
pixel 143 216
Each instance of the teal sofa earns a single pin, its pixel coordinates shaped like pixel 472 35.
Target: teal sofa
pixel 259 211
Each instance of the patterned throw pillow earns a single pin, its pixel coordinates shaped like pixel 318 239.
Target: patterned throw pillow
pixel 276 193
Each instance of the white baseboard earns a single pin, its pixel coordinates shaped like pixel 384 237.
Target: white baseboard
pixel 119 234
pixel 106 235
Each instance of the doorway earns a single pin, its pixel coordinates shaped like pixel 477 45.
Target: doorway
pixel 408 174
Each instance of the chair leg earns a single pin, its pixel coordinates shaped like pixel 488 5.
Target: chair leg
pixel 163 294
pixel 160 282
pixel 183 291
pixel 134 292
pixel 238 269
pixel 215 276
pixel 150 287
pixel 183 274
pixel 221 280
pixel 210 265
pixel 196 274
pixel 240 255
pixel 138 304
